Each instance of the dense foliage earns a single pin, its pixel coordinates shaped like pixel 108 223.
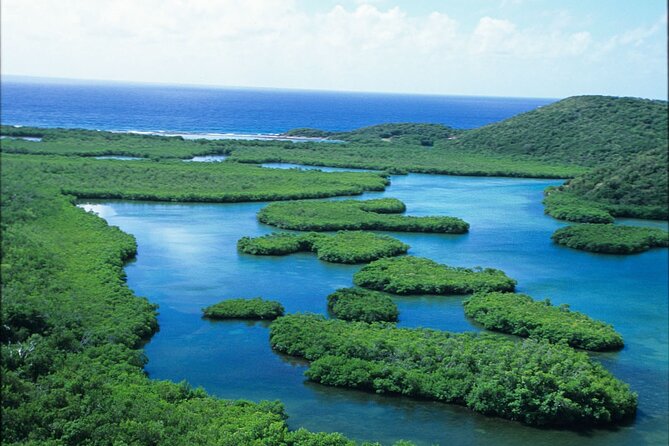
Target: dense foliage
pixel 520 315
pixel 254 308
pixel 611 239
pixel 581 130
pixel 354 215
pixel 534 382
pixel 356 304
pixel 635 188
pixel 178 181
pixel 70 329
pixel 342 247
pixel 417 275
pixel 570 207
pixel 399 157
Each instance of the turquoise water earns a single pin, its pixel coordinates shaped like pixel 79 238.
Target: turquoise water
pixel 305 167
pixel 208 158
pixel 119 158
pixel 187 259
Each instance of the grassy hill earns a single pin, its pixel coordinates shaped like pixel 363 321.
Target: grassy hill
pixel 623 139
pixel 634 188
pixel 582 130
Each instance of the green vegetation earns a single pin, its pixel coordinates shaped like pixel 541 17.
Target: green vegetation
pixel 636 188
pixel 520 315
pixel 255 308
pixel 417 275
pixel 355 304
pixel 611 239
pixel 275 244
pixel 342 247
pixel 78 142
pixel 178 181
pixel 580 130
pixel 354 215
pixel 70 326
pixel 399 158
pixel 71 369
pixel 534 382
pixel 570 207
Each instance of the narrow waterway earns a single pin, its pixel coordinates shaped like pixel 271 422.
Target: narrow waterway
pixel 187 259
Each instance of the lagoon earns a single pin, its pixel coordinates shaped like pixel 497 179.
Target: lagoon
pixel 187 259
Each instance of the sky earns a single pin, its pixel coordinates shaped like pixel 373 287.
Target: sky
pixel 521 48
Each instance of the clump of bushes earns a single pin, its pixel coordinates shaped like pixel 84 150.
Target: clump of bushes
pixel 342 247
pixel 611 239
pixel 255 308
pixel 533 381
pixel 565 206
pixel 355 304
pixel 417 275
pixel 375 214
pixel 520 315
pixel 276 244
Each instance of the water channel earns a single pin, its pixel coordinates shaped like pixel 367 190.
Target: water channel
pixel 187 259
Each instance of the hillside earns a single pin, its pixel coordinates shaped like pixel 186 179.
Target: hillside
pixel 641 180
pixel 582 130
pixel 635 188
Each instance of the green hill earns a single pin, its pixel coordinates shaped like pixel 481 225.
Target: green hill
pixel 623 139
pixel 582 130
pixel 634 188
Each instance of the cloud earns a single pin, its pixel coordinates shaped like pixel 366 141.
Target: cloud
pixel 494 36
pixel 367 46
pixel 638 36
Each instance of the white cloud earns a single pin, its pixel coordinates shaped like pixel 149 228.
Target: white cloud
pixel 638 36
pixel 275 43
pixel 494 36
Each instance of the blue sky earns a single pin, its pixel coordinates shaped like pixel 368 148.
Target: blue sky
pixel 532 48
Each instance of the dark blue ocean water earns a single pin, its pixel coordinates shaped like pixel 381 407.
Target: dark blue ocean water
pixel 116 106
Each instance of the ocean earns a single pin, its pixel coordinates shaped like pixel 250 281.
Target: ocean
pixel 153 107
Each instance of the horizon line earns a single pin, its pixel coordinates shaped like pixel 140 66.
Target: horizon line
pixel 70 80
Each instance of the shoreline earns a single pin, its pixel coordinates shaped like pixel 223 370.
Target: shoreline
pixel 229 135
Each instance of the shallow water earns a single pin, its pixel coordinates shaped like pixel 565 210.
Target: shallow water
pixel 208 159
pixel 187 259
pixel 25 138
pixel 306 167
pixel 119 158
